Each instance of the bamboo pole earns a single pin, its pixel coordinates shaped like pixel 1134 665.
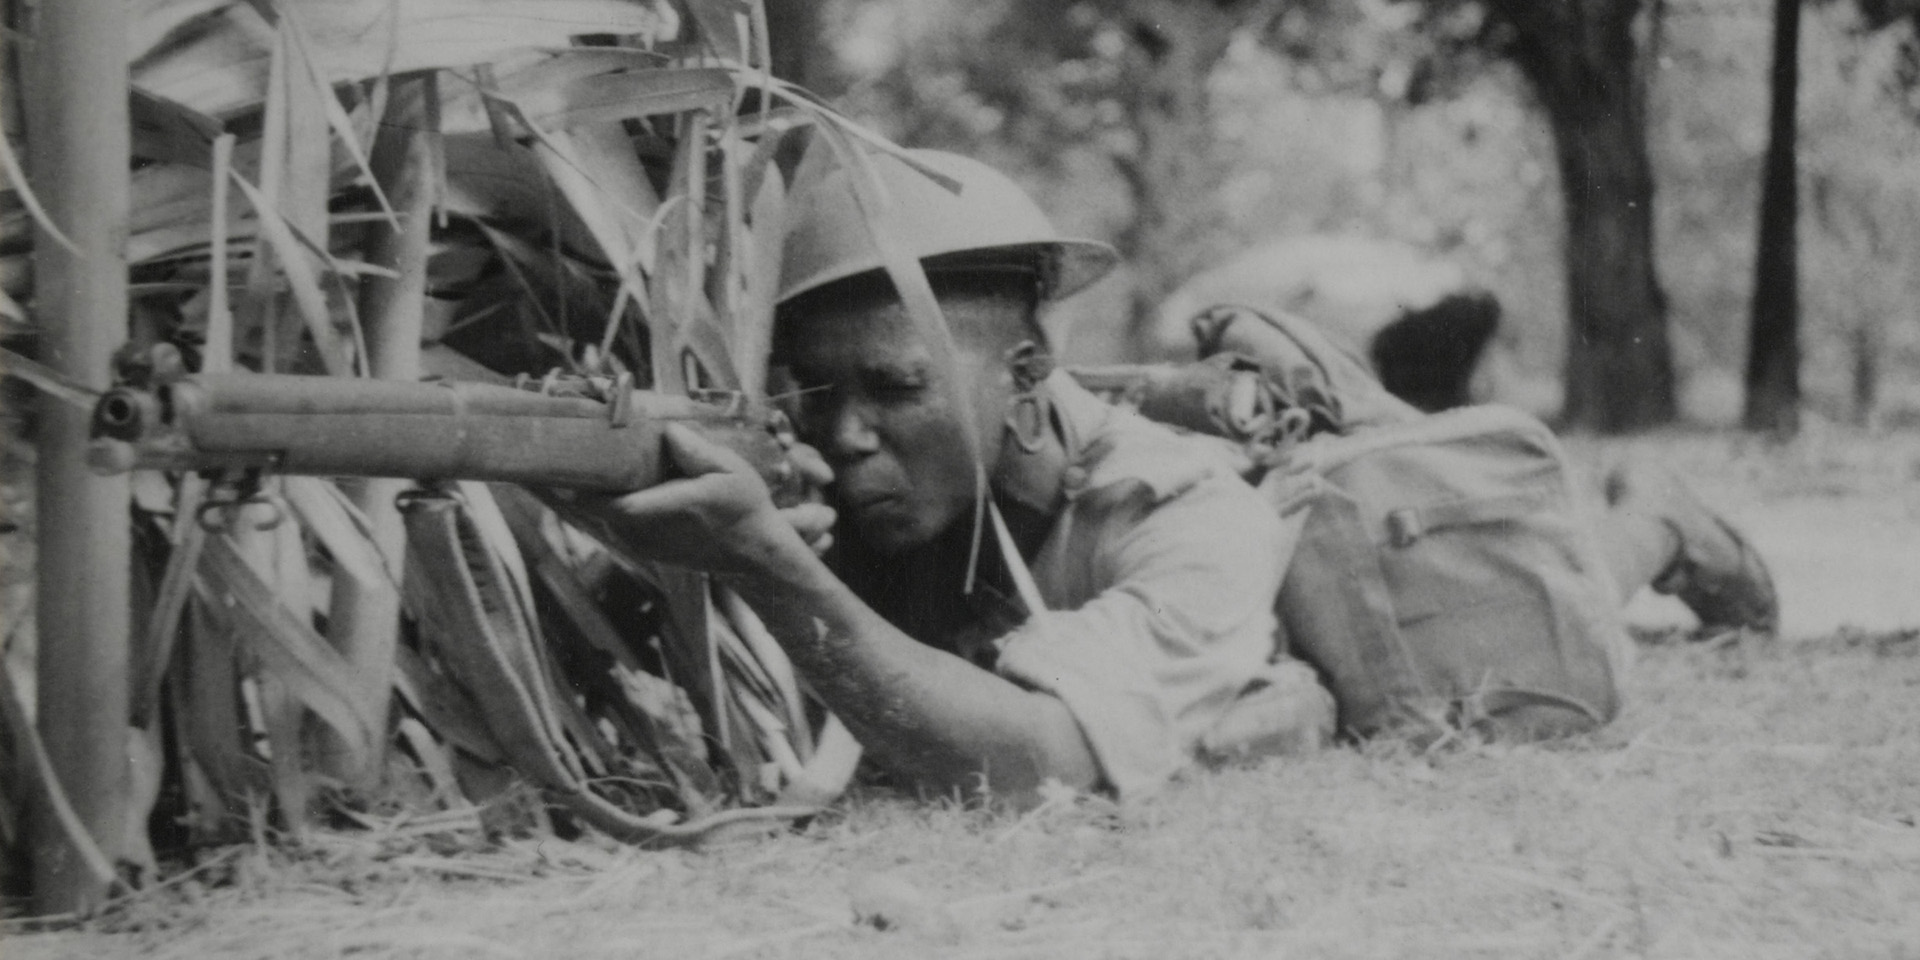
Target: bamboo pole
pixel 78 150
pixel 365 616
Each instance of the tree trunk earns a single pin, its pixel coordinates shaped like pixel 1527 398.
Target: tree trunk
pixel 1773 346
pixel 1171 173
pixel 79 144
pixel 793 31
pixel 1580 56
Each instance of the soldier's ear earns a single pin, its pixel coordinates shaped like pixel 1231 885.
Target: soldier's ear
pixel 1030 364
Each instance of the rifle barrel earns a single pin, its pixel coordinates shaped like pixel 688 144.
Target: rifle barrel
pixel 334 426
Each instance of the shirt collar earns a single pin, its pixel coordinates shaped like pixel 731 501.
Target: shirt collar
pixel 1108 445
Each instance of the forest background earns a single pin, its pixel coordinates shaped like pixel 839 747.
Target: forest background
pixel 1406 126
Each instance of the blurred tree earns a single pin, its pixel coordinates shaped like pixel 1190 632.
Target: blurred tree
pixel 1583 60
pixel 1170 168
pixel 1773 346
pixel 793 32
pixel 1130 79
pixel 1123 79
pixel 1066 96
pixel 1880 14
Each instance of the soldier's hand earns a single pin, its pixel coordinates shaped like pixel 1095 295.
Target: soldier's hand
pixel 719 516
pixel 814 526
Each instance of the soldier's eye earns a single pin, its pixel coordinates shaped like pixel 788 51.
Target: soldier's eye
pixel 896 384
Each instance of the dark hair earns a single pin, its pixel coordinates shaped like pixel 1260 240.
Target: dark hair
pixel 1427 356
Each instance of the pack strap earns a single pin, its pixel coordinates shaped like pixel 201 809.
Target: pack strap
pixel 1406 525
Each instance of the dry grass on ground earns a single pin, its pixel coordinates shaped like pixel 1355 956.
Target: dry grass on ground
pixel 1756 800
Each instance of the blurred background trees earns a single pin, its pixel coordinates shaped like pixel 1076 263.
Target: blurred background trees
pixel 1773 339
pixel 1597 165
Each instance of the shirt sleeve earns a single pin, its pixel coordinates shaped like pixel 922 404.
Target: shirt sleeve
pixel 1177 618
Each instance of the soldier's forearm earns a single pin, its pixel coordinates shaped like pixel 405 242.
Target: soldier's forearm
pixel 930 716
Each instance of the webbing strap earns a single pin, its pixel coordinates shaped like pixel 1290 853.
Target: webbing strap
pixel 1406 525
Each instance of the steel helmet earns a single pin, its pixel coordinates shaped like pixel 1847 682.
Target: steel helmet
pixel 828 239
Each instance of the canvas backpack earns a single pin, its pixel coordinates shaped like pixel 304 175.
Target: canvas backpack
pixel 1445 576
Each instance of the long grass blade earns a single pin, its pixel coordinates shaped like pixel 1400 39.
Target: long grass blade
pixel 773 663
pixel 720 28
pixel 762 43
pixel 283 713
pixel 614 97
pixel 326 512
pixel 10 164
pixel 448 708
pixel 836 757
pixel 465 636
pixel 11 310
pixel 170 601
pixel 43 783
pixel 662 734
pixel 302 280
pixel 493 530
pixel 205 693
pixel 807 102
pixel 486 101
pixel 481 613
pixel 775 737
pixel 171 132
pixel 336 115
pixel 260 307
pixel 697 354
pixel 605 187
pixel 726 288
pixel 306 185
pixel 218 353
pixel 218 64
pixel 744 669
pixel 172 206
pixel 592 204
pixel 691 176
pixel 753 323
pixel 314 673
pixel 49 381
pixel 434 761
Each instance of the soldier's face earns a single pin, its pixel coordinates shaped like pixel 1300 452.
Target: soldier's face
pixel 881 408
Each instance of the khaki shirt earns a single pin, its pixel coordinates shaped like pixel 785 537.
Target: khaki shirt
pixel 1159 575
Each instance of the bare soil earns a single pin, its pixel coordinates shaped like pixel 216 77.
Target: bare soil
pixel 1757 799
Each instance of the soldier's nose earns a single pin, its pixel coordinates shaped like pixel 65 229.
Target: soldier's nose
pixel 852 433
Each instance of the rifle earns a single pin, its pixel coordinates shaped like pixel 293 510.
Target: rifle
pixel 577 432
pixel 557 432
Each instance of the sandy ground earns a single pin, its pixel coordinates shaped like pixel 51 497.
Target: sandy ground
pixel 1755 800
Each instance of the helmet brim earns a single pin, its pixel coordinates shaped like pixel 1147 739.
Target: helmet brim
pixel 1067 266
pixel 1078 264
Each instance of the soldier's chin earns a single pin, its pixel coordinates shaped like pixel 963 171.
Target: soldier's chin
pixel 889 532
